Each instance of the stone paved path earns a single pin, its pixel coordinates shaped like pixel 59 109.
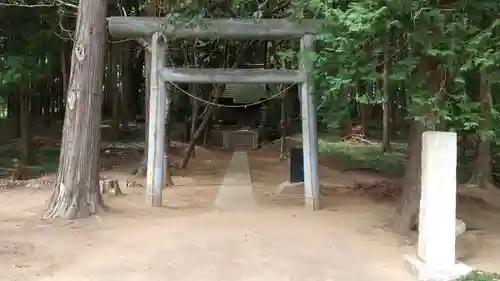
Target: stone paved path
pixel 235 193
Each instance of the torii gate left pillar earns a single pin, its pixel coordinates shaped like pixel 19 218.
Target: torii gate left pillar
pixel 155 179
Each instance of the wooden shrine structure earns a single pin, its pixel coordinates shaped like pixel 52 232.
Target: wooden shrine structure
pixel 159 30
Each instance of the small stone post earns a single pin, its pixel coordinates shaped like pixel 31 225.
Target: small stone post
pixel 437 219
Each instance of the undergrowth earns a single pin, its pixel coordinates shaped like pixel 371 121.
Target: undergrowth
pixel 370 156
pixel 481 276
pixel 365 156
pixel 47 160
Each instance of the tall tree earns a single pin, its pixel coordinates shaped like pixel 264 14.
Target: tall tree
pixel 76 193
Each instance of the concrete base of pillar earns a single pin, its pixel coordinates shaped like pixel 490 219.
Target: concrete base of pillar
pixel 296 191
pixel 288 189
pixel 425 272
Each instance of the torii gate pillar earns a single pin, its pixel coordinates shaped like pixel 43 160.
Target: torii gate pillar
pixel 156 128
pixel 309 126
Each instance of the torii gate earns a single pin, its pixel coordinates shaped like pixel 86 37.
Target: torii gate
pixel 263 29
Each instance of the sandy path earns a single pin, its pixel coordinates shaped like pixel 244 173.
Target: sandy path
pixel 268 245
pixel 189 239
pixel 236 192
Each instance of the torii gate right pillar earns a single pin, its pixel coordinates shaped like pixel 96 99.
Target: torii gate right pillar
pixel 309 126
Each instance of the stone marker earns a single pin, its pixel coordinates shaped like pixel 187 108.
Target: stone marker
pixel 437 219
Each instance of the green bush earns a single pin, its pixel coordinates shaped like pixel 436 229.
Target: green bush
pixel 482 276
pixel 369 156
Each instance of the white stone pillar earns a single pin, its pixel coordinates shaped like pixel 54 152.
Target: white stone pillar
pixel 437 218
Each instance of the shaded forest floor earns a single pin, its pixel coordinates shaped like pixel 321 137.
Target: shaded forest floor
pixel 189 239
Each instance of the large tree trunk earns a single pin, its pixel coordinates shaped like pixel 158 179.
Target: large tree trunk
pixel 410 199
pixel 482 175
pixel 76 193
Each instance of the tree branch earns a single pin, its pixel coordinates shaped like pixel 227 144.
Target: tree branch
pixel 55 3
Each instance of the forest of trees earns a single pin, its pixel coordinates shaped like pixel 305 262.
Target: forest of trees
pixel 401 67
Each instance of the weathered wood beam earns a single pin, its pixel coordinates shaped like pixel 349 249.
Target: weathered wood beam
pixel 309 128
pixel 156 125
pixel 227 76
pixel 265 29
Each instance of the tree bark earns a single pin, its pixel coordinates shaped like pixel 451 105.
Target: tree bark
pixel 25 139
pixel 283 128
pixel 407 208
pixel 206 130
pixel 216 93
pixel 195 104
pixel 482 176
pixel 126 72
pixel 364 108
pixel 64 72
pixel 113 89
pixel 76 193
pixel 46 103
pixel 142 169
pixel 168 117
pixel 9 105
pixel 15 115
pixel 386 106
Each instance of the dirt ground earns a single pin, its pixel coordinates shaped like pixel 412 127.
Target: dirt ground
pixel 189 239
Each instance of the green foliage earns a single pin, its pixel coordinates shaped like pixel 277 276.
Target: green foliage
pixel 437 55
pixel 362 156
pixel 481 276
pixel 456 40
pixel 28 56
pixel 49 159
